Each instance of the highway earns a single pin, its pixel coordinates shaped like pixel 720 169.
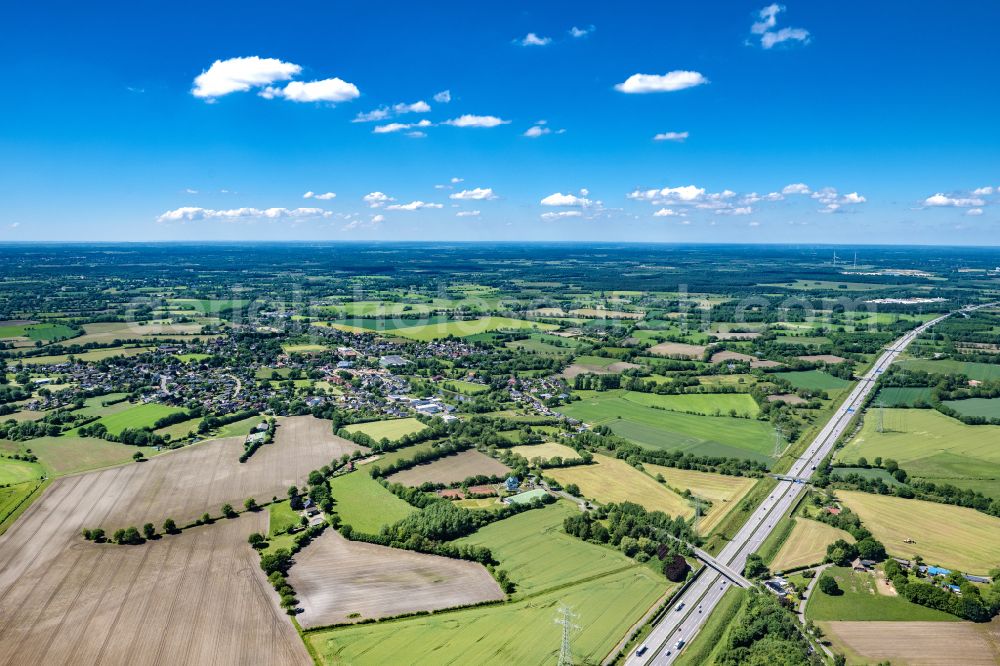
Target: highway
pixel 689 612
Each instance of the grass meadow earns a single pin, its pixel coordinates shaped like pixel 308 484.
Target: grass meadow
pixel 364 504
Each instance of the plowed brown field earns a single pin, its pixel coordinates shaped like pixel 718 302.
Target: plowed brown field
pixel 335 579
pixel 194 598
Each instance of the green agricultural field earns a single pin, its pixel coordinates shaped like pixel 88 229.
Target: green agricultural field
pixel 607 591
pixel 949 536
pixel 722 490
pixel 96 355
pixel 539 555
pixel 523 632
pixel 406 453
pixel 862 601
pixel 467 327
pixel 364 504
pixel 931 446
pixel 392 324
pixel 868 473
pixel 718 404
pixel 137 416
pixel 662 429
pixel 303 348
pixel 66 454
pixel 814 380
pixel 15 499
pixel 281 518
pixel 18 471
pixel 987 408
pixel 392 429
pixel 980 371
pixel 613 480
pixel 903 396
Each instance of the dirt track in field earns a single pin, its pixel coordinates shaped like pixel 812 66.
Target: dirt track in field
pixel 451 469
pixel 920 643
pixel 335 578
pixel 194 598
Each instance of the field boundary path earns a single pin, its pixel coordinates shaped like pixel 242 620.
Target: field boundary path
pixel 680 628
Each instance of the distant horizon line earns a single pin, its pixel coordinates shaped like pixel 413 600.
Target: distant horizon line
pixel 8 243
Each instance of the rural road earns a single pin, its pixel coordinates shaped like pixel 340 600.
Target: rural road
pixel 700 599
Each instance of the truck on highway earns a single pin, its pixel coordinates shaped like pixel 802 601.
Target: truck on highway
pixel 642 650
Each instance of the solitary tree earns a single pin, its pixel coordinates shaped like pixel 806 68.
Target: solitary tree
pixel 250 504
pixel 228 511
pixel 169 526
pixel 827 585
pixel 148 530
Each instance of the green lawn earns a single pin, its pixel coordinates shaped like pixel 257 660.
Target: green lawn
pixel 392 429
pixel 606 591
pixel 188 358
pixel 814 380
pixel 282 517
pixel 464 387
pixel 862 602
pixel 931 446
pixel 364 504
pixel 663 429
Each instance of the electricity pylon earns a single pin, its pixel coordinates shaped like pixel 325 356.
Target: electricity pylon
pixel 566 620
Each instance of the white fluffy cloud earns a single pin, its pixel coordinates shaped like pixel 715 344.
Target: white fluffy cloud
pixel 469 120
pixel 191 213
pixel 376 199
pixel 974 211
pixel 560 199
pixel 475 194
pixel 443 97
pixel 753 197
pixel 940 200
pixel 668 212
pixel 414 205
pixel 326 196
pixel 770 39
pixel 767 20
pixel 372 116
pixel 796 188
pixel 399 127
pixel 416 107
pixel 983 191
pixel 834 202
pixel 467 213
pixel 531 39
pixel 561 214
pixel 669 82
pixel 325 90
pixel 240 75
pixel 677 137
pixel 682 194
pixel 455 180
pixel 576 32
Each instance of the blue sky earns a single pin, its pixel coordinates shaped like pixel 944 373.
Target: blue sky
pixel 803 122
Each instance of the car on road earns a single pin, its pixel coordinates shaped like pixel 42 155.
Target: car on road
pixel 679 645
pixel 680 606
